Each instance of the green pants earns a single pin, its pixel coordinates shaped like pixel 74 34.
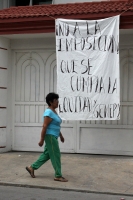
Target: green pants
pixel 52 152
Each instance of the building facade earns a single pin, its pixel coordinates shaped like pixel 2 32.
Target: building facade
pixel 28 73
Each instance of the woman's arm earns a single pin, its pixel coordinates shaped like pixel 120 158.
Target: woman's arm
pixel 46 122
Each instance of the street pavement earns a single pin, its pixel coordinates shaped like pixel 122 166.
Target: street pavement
pixel 24 193
pixel 99 174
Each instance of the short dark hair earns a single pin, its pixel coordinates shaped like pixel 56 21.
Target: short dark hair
pixel 50 97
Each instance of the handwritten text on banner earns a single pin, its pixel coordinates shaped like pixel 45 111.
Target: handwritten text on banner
pixel 88 69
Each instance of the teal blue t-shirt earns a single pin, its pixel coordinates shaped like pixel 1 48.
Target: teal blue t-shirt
pixel 54 126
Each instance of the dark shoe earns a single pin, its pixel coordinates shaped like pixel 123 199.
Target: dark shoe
pixel 31 172
pixel 61 179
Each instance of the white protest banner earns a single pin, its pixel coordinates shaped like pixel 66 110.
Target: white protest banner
pixel 88 69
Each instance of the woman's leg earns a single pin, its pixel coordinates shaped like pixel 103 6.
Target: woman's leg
pixel 39 162
pixel 44 157
pixel 54 153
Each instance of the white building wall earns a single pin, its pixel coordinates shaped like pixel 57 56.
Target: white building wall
pixel 5 137
pixel 97 137
pixel 4 4
pixel 20 122
pixel 73 1
pixel 8 3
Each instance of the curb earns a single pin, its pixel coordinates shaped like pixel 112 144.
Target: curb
pixel 63 189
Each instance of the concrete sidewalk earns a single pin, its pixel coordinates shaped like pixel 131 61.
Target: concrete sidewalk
pixel 89 173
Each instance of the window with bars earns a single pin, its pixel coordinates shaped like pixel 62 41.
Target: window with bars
pixel 32 2
pixel 22 3
pixel 37 2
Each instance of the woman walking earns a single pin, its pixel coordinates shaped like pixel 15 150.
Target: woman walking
pixel 50 133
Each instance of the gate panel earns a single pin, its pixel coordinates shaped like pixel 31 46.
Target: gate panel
pixel 35 76
pixel 112 137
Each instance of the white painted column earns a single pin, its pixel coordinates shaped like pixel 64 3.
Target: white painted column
pixel 30 2
pixel 4 64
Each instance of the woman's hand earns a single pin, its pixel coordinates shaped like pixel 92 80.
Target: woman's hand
pixel 62 138
pixel 41 143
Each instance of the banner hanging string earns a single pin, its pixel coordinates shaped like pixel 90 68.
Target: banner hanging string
pixel 127 9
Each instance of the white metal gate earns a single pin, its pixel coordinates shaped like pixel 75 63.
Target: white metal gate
pixel 35 76
pixel 31 85
pixel 112 137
